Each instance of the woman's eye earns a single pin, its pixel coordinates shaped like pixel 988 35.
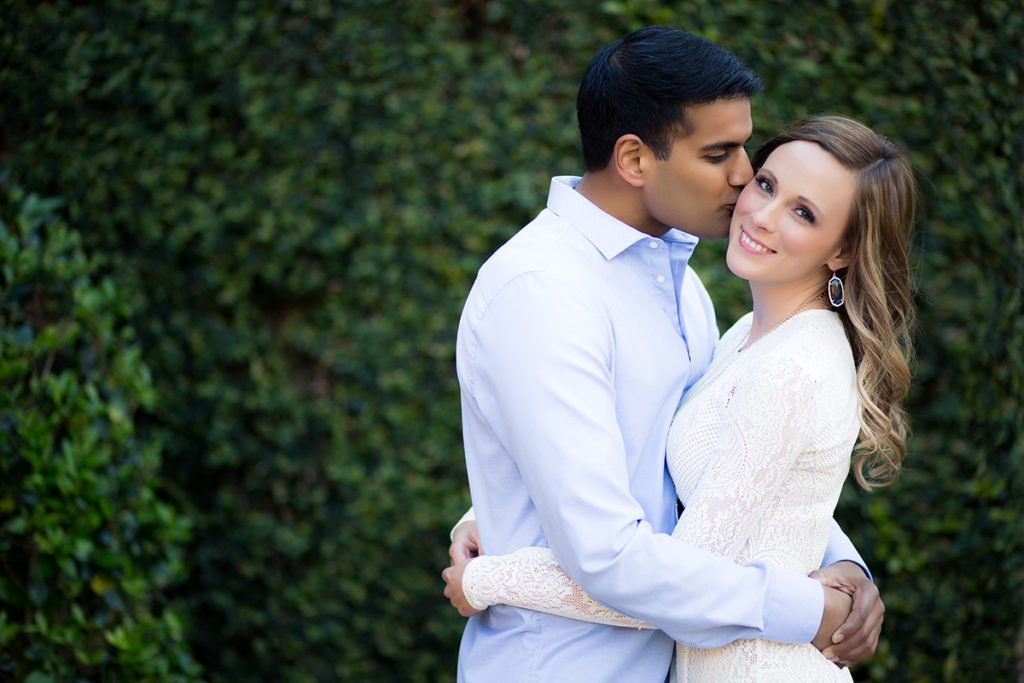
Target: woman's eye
pixel 765 185
pixel 805 214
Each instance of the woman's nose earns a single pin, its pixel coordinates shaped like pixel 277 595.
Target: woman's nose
pixel 765 216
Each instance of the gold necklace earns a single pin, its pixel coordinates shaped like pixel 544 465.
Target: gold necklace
pixel 751 342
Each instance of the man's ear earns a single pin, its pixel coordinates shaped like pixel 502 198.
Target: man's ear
pixel 840 260
pixel 628 158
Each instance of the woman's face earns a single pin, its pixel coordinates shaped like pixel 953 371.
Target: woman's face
pixel 787 229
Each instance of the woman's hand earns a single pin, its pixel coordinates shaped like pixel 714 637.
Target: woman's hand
pixel 453 588
pixel 838 603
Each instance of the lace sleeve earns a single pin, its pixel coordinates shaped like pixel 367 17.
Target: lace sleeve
pixel 766 425
pixel 532 579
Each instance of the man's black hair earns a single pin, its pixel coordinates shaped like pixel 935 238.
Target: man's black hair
pixel 642 84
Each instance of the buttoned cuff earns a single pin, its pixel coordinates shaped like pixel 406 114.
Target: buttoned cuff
pixel 793 607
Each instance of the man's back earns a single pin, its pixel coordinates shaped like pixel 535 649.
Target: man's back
pixel 572 360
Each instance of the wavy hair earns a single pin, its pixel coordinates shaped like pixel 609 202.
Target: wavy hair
pixel 878 310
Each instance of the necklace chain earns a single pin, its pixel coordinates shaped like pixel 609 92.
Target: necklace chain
pixel 816 297
pixel 722 363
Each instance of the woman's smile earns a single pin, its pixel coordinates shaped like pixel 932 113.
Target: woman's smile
pixel 753 245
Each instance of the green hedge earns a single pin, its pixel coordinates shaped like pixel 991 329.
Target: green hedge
pixel 87 545
pixel 292 198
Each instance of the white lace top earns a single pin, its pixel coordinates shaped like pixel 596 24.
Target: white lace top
pixel 758 452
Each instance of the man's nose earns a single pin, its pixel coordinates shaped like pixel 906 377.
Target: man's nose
pixel 742 171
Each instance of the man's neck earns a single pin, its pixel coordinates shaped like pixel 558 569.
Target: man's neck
pixel 608 192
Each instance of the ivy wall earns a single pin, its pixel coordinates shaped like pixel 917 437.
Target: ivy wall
pixel 277 208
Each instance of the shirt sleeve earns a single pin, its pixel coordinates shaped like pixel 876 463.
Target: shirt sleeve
pixel 531 578
pixel 545 371
pixel 840 549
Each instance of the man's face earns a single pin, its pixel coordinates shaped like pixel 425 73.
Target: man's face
pixel 696 188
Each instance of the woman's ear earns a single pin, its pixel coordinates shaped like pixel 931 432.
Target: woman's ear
pixel 840 260
pixel 628 159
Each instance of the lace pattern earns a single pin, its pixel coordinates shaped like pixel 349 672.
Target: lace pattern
pixel 530 577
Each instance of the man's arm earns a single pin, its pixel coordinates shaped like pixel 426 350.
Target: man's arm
pixel 841 549
pixel 849 630
pixel 541 585
pixel 556 414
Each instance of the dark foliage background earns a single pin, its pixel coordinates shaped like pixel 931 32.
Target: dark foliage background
pixel 278 208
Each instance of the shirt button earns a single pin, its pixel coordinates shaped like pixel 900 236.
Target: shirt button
pixel 661 279
pixel 652 244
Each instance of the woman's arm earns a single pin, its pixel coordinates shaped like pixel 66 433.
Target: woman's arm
pixel 529 578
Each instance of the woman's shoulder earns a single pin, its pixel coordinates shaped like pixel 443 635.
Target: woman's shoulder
pixel 815 343
pixel 812 344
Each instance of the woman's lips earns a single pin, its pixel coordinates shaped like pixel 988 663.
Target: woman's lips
pixel 753 245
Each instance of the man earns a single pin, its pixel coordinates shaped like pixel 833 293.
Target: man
pixel 575 345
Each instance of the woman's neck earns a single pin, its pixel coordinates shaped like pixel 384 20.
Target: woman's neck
pixel 775 305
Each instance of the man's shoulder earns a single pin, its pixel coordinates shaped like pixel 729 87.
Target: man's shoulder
pixel 548 246
pixel 547 267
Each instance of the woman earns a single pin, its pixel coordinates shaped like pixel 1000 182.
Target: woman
pixel 760 447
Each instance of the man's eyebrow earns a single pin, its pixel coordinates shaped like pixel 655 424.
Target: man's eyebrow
pixel 724 145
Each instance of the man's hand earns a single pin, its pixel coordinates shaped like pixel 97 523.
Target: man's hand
pixel 453 590
pixel 465 546
pixel 857 638
pixel 465 543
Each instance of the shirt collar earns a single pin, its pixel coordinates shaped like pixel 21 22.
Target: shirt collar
pixel 608 234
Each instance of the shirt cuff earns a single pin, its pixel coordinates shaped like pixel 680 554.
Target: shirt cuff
pixel 793 607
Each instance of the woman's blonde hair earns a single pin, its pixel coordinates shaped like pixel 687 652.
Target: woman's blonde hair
pixel 878 310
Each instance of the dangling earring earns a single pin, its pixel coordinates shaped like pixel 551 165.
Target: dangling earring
pixel 836 293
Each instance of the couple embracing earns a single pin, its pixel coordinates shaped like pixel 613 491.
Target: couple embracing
pixel 598 399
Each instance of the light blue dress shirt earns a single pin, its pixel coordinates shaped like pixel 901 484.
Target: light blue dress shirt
pixel 574 348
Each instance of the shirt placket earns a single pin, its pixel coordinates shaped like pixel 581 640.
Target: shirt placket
pixel 659 259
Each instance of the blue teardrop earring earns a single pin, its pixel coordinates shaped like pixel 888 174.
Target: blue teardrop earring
pixel 836 293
